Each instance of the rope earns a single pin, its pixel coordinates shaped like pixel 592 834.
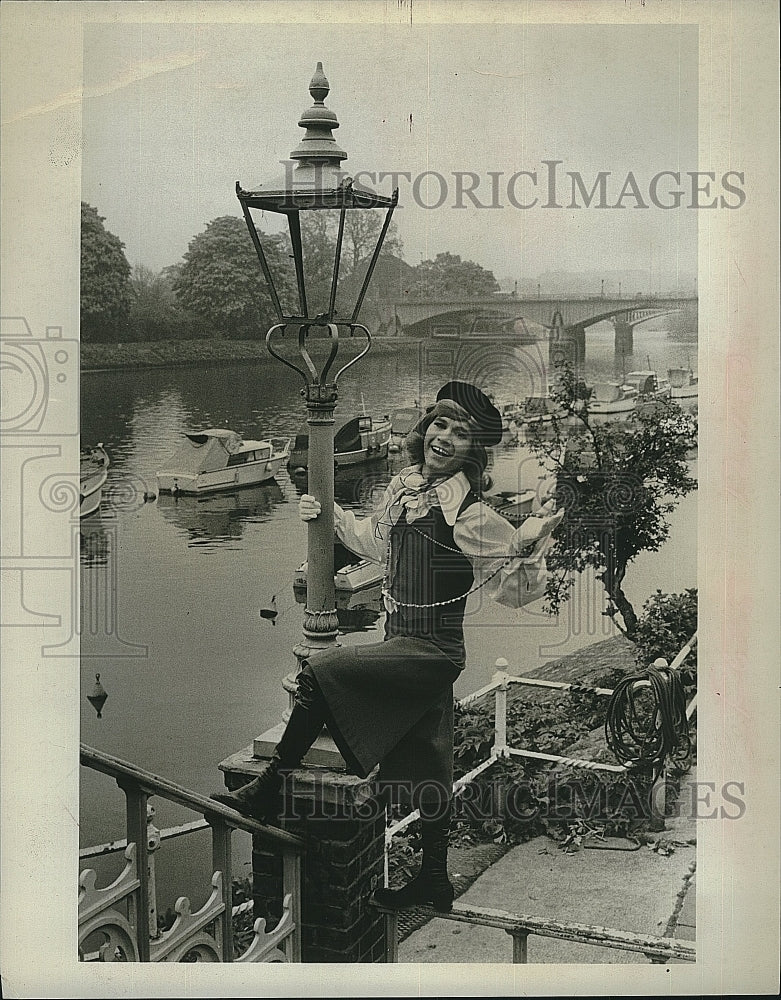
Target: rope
pixel 644 736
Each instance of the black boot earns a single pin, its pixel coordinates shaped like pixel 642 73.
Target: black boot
pixel 261 798
pixel 431 886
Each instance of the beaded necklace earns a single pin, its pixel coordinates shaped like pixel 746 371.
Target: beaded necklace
pixel 452 600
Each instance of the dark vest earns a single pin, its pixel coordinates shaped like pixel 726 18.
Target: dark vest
pixel 422 570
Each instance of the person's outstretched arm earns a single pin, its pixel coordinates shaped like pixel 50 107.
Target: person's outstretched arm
pixel 492 546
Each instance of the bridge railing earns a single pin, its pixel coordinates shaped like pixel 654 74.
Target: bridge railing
pixel 119 922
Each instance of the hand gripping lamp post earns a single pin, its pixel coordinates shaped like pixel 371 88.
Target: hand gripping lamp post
pixel 315 183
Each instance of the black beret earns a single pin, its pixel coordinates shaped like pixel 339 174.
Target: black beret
pixel 478 406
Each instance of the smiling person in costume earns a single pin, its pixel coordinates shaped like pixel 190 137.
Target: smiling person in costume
pixel 391 703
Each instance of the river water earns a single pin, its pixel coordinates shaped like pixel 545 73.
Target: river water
pixel 171 589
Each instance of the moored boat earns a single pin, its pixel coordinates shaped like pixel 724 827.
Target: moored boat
pixel 537 410
pixel 402 421
pixel 359 439
pixel 515 507
pixel 509 413
pixel 683 383
pixel 93 473
pixel 351 578
pixel 220 459
pixel 611 397
pixel 647 385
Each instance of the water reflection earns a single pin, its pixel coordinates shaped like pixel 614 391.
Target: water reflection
pixel 356 611
pixel 93 541
pixel 145 578
pixel 357 486
pixel 221 517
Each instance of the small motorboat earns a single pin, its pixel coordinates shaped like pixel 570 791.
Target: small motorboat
pixel 351 573
pixel 514 507
pixel 683 383
pixel 508 412
pixel 359 439
pixel 647 386
pixel 611 397
pixel 93 473
pixel 350 579
pixel 402 422
pixel 220 459
pixel 537 410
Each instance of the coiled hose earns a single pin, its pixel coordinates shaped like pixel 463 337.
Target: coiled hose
pixel 643 734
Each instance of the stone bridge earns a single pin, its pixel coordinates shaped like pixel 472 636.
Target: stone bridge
pixel 564 319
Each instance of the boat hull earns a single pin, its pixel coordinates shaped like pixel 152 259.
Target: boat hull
pixel 94 473
pixel 90 502
pixel 230 478
pixel 618 406
pixel 350 579
pixel 684 392
pixel 374 446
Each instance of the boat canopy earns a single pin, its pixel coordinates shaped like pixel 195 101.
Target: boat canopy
pixel 205 451
pixel 642 381
pixel 538 405
pixel 347 435
pixel 679 377
pixel 403 420
pixel 606 392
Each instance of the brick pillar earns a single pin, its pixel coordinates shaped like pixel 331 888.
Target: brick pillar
pixel 343 825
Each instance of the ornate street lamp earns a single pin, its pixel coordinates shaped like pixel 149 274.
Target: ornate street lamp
pixel 315 183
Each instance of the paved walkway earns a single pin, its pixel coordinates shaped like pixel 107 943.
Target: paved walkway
pixel 645 891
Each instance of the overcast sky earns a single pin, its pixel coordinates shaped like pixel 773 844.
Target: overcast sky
pixel 174 115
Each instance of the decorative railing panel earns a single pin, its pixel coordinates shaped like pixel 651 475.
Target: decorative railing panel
pixel 119 921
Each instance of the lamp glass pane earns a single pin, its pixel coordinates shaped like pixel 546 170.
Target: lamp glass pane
pixel 274 239
pixel 319 234
pixel 319 229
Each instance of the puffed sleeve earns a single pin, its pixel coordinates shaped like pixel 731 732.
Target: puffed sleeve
pixel 367 536
pixel 492 546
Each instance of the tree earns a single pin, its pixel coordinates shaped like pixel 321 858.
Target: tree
pixel 155 313
pixel 361 232
pixel 319 231
pixel 617 482
pixel 447 276
pixel 666 624
pixel 106 294
pixel 220 279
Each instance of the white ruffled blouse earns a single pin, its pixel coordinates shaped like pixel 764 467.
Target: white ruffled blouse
pixel 487 539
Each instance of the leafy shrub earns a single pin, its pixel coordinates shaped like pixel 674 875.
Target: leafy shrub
pixel 514 801
pixel 666 624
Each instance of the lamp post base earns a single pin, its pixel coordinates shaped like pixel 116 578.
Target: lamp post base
pixel 323 752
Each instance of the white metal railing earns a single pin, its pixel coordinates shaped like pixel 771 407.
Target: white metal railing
pixel 521 926
pixel 119 921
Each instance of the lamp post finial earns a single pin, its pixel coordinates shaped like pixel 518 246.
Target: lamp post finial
pixel 318 145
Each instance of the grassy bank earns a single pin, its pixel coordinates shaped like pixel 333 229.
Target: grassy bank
pixel 166 353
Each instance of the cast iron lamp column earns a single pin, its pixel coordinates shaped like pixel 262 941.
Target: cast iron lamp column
pixel 315 183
